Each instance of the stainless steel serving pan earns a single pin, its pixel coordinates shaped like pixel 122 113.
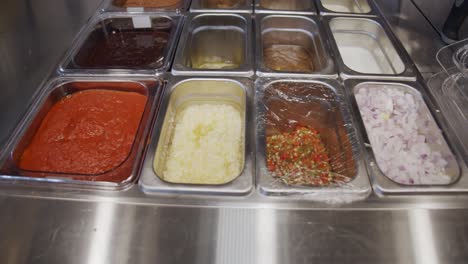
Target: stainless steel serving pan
pixel 320 104
pixel 168 22
pixel 220 6
pixel 304 32
pixel 120 177
pixel 366 48
pixel 180 93
pixel 383 185
pixel 347 7
pixel 285 7
pixel 180 6
pixel 215 44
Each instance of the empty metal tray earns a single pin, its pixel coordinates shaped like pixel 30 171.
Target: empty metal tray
pixel 366 49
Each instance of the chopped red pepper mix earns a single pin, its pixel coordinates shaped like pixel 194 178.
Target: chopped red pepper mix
pixel 299 157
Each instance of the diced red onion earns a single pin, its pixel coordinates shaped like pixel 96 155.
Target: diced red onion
pixel 401 136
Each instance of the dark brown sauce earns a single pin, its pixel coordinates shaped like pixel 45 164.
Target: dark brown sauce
pixel 116 44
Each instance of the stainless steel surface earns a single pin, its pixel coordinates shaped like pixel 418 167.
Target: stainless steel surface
pixel 227 6
pixel 180 93
pixel 456 167
pixel 285 7
pixel 331 117
pixel 44 225
pixel 69 66
pixel 346 7
pixel 304 32
pixel 253 200
pixel 55 90
pixel 215 44
pixel 365 49
pixel 181 6
pixel 115 233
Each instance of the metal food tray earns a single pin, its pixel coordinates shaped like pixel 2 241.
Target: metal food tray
pixel 368 37
pixel 52 92
pixel 215 35
pixel 66 66
pixel 347 7
pixel 303 31
pixel 383 185
pixel 201 89
pixel 348 150
pixel 285 7
pixel 231 6
pixel 109 6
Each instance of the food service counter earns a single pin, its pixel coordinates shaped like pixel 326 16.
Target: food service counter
pixel 145 215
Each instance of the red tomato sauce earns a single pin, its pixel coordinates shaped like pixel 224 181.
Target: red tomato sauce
pixel 87 132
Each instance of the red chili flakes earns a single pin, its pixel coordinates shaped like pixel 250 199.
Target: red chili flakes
pixel 300 158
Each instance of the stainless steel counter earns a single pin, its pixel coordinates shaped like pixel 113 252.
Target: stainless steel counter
pixel 44 231
pixel 60 231
pixel 40 225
